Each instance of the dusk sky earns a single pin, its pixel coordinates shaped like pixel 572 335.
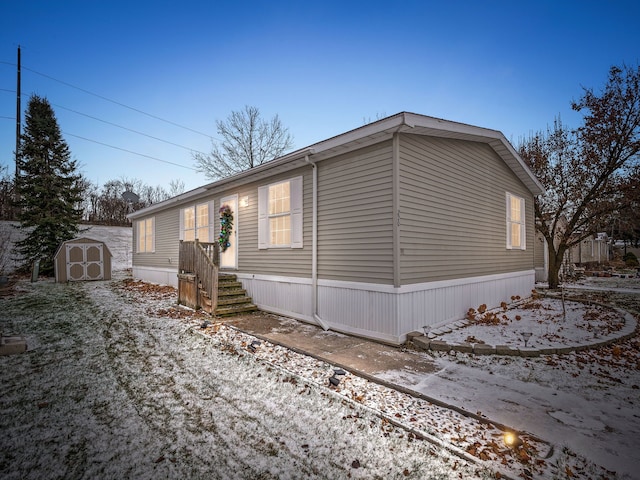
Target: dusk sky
pixel 109 67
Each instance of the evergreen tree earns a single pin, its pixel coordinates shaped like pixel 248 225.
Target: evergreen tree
pixel 48 187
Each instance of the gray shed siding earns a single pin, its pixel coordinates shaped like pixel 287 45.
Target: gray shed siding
pixel 355 236
pixel 453 211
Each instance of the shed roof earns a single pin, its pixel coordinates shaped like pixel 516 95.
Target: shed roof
pixel 83 240
pixel 375 132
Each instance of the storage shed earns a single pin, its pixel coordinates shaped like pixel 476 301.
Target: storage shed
pixel 82 259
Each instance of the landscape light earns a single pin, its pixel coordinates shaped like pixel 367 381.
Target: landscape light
pixel 526 336
pixel 334 381
pixel 512 440
pixel 205 324
pixel 339 371
pixel 426 329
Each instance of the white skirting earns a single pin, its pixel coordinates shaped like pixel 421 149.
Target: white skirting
pixel 383 312
pixel 160 276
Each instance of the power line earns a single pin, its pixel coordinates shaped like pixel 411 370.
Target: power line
pixel 130 151
pixel 116 125
pixel 117 103
pixel 128 129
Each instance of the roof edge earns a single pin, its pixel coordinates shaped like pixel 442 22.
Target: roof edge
pixel 402 121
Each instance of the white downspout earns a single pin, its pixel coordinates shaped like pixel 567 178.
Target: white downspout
pixel 314 247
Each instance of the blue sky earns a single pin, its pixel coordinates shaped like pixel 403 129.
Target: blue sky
pixel 323 67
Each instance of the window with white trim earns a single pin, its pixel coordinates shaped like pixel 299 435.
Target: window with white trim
pixel 145 233
pixel 203 223
pixel 280 214
pixel 197 222
pixel 515 223
pixel 188 229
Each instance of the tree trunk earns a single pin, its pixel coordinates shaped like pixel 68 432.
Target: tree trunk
pixel 555 262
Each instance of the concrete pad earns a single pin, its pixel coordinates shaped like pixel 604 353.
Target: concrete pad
pixel 342 350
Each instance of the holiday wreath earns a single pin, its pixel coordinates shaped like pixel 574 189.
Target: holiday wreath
pixel 226 227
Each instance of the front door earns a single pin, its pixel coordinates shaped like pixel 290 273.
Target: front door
pixel 229 257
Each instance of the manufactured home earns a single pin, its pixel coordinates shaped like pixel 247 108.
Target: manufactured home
pixel 402 223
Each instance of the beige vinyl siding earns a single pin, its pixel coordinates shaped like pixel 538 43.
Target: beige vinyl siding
pixel 355 238
pixel 276 261
pixel 294 262
pixel 453 211
pixel 167 226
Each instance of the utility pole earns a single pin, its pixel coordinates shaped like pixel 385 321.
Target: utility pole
pixel 18 122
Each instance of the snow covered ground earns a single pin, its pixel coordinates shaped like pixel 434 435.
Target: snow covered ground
pixel 588 401
pixel 108 389
pixel 119 383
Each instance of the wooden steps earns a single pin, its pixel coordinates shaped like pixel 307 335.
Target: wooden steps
pixel 232 298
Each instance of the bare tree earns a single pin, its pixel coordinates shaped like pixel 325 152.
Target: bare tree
pixel 109 205
pixel 248 141
pixel 176 187
pixel 379 116
pixel 584 170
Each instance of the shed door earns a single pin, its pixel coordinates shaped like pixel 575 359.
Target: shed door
pixel 85 261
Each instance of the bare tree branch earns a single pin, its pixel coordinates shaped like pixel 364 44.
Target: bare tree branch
pixel 585 170
pixel 248 141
